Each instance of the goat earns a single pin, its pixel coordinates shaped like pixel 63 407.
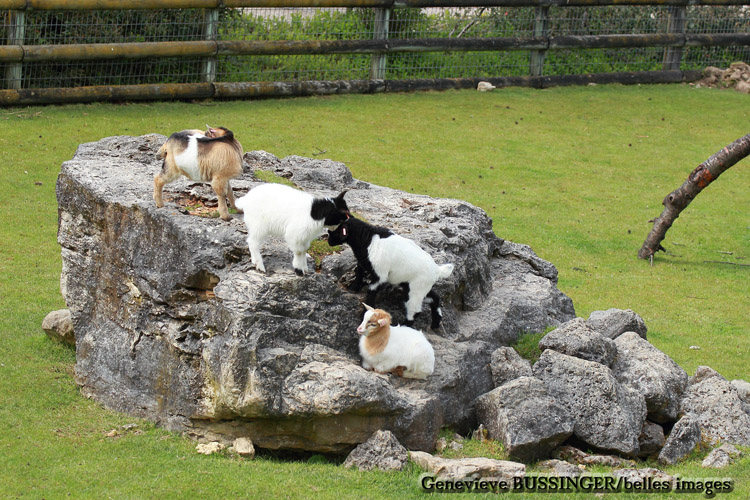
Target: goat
pixel 214 156
pixel 400 350
pixel 298 217
pixel 391 258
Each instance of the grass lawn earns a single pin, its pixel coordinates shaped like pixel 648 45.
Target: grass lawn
pixel 574 172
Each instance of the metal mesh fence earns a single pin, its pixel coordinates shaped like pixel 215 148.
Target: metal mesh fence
pixel 45 28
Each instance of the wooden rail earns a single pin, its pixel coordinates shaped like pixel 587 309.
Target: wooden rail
pixel 15 53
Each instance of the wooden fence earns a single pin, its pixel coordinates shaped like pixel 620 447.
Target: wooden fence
pixel 15 53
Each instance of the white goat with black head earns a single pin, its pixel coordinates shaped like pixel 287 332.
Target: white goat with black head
pixel 298 217
pixel 212 156
pixel 390 258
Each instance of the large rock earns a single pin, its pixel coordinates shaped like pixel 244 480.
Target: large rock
pixel 716 404
pixel 608 415
pixel 174 324
pixel 529 422
pixel 651 440
pixel 575 338
pixel 648 371
pixel 614 322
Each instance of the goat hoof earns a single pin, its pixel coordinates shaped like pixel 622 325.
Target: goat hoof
pixel 298 272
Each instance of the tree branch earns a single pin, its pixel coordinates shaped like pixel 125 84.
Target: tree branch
pixel 676 201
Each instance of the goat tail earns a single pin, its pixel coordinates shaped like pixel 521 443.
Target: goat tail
pixel 445 270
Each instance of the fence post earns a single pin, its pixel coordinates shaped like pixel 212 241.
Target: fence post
pixel 16 34
pixel 380 32
pixel 541 29
pixel 676 24
pixel 210 32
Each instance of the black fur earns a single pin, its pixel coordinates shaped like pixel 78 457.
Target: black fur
pixel 358 235
pixel 332 211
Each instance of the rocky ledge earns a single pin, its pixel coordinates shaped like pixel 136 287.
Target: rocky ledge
pixel 172 322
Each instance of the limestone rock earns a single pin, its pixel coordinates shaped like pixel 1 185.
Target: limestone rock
pixel 382 451
pixel 174 324
pixel 559 468
pixel 721 457
pixel 716 405
pixel 575 338
pixel 485 86
pixel 648 371
pixel 244 447
pixel 743 390
pixel 607 414
pixel 614 322
pixel 461 468
pixel 682 440
pixel 209 448
pixel 525 418
pixel 58 325
pixel 651 440
pixel 702 373
pixel 573 455
pixel 506 365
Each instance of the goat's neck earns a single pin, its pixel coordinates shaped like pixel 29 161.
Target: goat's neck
pixel 375 342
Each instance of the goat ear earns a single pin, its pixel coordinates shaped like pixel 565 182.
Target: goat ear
pixel 367 307
pixel 382 321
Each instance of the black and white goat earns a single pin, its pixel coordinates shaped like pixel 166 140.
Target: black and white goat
pixel 212 156
pixel 390 258
pixel 298 217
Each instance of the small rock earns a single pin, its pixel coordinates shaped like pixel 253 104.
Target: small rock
pixel 639 475
pixel 560 468
pixel 614 322
pixel 743 390
pixel 480 434
pixel 721 457
pixel 244 447
pixel 209 448
pixel 455 446
pixel 58 325
pixel 702 373
pixel 576 338
pixel 506 365
pixel 113 433
pixel 485 87
pixel 685 436
pixel 695 347
pixel 129 427
pixel 441 445
pixel 576 456
pixel 382 451
pixel 651 440
pixel 461 468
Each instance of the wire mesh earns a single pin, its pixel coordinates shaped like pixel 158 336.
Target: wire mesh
pixel 265 24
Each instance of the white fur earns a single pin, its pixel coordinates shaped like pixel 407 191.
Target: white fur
pixel 398 260
pixel 281 211
pixel 406 347
pixel 187 160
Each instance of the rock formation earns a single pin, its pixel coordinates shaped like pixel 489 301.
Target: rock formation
pixel 173 323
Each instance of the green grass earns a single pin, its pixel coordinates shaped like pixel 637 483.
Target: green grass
pixel 574 172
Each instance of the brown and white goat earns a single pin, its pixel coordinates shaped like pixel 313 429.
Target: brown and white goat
pixel 213 156
pixel 400 350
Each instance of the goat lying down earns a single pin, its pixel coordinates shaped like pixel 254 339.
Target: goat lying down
pixel 400 350
pixel 213 156
pixel 285 212
pixel 390 258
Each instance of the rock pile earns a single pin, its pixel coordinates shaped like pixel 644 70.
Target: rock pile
pixel 614 392
pixel 737 76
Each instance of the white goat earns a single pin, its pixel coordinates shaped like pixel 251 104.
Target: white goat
pixel 214 156
pixel 400 350
pixel 393 259
pixel 298 217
